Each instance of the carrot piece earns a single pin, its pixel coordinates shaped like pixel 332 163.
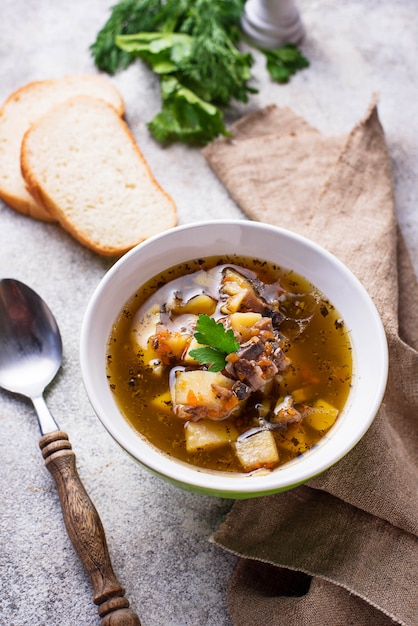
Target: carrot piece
pixel 191 398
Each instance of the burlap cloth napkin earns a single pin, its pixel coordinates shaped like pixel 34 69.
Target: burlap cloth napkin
pixel 342 549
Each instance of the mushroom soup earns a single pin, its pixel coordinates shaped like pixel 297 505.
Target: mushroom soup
pixel 230 363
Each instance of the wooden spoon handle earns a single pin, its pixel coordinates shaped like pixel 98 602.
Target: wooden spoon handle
pixel 86 531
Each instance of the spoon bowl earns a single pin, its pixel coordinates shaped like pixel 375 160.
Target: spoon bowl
pixel 30 345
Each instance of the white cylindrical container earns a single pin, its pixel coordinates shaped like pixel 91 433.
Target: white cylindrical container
pixel 270 24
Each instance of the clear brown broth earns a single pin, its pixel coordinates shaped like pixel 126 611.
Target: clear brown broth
pixel 323 348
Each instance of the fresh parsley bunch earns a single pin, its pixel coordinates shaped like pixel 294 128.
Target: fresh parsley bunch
pixel 193 46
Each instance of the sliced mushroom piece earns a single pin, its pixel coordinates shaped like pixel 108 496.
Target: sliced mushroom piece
pixel 285 413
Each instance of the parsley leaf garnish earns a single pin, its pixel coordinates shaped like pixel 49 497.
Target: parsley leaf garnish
pixel 217 343
pixel 184 116
pixel 283 62
pixel 209 356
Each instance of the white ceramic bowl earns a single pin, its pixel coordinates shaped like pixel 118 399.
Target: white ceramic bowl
pixel 265 242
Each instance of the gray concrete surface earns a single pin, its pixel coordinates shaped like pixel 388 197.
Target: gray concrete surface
pixel 158 535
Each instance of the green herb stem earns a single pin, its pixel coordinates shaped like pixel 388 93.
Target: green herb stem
pixel 193 46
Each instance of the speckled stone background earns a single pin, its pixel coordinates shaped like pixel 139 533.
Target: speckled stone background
pixel 158 535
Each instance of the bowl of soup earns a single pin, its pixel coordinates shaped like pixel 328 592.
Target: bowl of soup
pixel 233 358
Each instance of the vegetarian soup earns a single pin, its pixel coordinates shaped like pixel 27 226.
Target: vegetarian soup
pixel 230 363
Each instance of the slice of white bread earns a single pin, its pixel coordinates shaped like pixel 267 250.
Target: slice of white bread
pixel 23 108
pixel 82 162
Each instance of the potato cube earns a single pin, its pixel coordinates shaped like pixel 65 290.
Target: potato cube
pixel 322 415
pixel 294 439
pixel 257 450
pixel 168 345
pixel 302 394
pixel 243 323
pixel 207 435
pixel 176 343
pixel 200 304
pixel 144 327
pixel 162 402
pixel 193 344
pixel 201 393
pixel 232 287
pixel 198 384
pixel 233 303
pixel 141 331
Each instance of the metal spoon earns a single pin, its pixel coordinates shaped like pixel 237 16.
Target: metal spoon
pixel 30 357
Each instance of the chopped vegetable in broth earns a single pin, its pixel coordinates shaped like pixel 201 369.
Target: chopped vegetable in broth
pixel 230 363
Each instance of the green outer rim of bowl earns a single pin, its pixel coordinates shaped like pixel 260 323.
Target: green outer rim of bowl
pixel 218 493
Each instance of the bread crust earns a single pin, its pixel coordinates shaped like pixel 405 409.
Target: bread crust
pixel 107 197
pixel 21 109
